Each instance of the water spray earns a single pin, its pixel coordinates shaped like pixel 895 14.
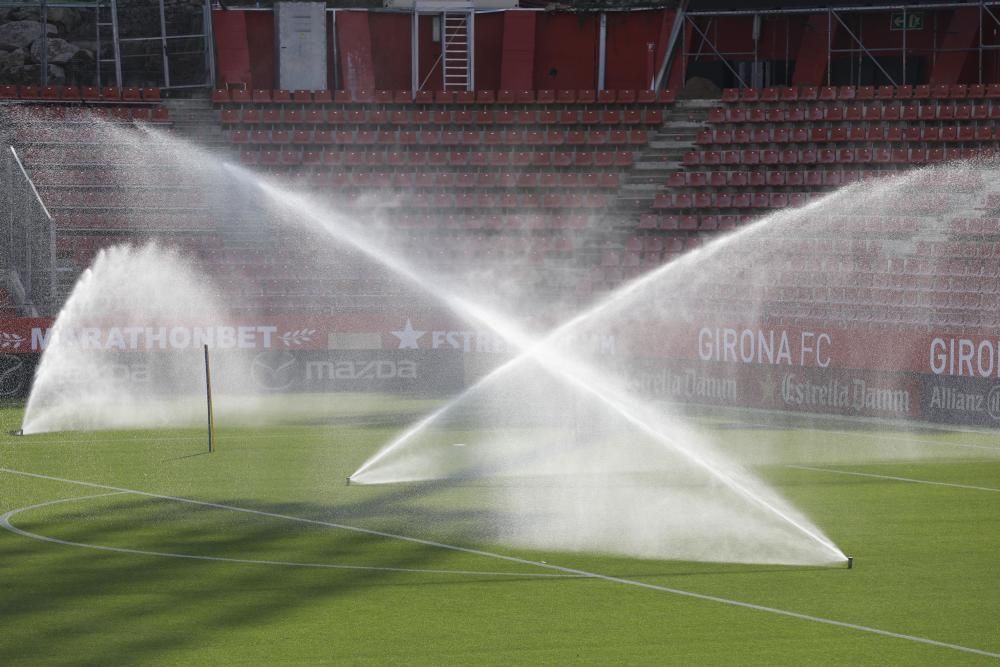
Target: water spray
pixel 573 371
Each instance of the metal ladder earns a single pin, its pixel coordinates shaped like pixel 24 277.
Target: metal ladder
pixel 457 54
pixel 107 31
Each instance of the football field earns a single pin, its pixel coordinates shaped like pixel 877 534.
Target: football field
pixel 139 547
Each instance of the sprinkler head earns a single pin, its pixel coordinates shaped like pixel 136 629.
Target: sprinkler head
pixel 348 480
pixel 17 431
pixel 850 562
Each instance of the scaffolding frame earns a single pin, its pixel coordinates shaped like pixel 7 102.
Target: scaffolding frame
pixel 29 255
pixel 442 9
pixel 701 24
pixel 163 38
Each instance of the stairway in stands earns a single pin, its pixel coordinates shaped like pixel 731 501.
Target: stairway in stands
pixel 242 237
pixel 194 120
pixel 662 156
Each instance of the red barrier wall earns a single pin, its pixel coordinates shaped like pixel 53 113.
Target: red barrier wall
pixel 520 49
pixel 489 50
pixel 566 51
pixel 391 57
pixel 357 71
pixel 517 60
pixel 232 55
pixel 260 33
pixel 628 39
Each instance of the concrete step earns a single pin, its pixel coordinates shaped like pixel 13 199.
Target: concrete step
pixel 639 189
pixel 672 145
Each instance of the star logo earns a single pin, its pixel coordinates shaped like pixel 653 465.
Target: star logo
pixel 408 337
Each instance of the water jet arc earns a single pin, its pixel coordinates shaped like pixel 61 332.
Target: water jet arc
pixel 571 370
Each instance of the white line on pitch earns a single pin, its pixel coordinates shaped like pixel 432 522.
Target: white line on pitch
pixel 911 480
pixel 7 525
pixel 525 561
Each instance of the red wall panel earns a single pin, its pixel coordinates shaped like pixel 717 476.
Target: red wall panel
pixel 518 58
pixel 430 56
pixel 355 49
pixel 811 59
pixel 489 47
pixel 260 33
pixel 232 56
pixel 962 30
pixel 629 37
pixel 566 51
pixel 391 55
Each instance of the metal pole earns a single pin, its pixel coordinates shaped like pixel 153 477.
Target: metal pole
pixel 209 43
pixel 9 169
pixel 868 53
pixel 163 46
pixel 602 45
pixel 470 49
pixel 45 43
pixel 858 8
pixel 211 417
pixel 334 49
pixel 904 47
pixel 829 46
pixel 671 45
pixel 414 51
pixel 711 45
pixel 115 43
pixel 684 54
pixel 97 50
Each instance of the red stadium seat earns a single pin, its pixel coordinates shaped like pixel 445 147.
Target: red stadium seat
pixel 885 92
pixel 940 91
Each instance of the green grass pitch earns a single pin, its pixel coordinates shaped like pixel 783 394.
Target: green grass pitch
pixel 175 582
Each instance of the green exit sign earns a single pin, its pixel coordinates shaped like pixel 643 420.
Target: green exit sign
pixel 907 21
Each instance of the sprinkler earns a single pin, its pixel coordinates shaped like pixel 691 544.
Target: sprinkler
pixel 348 480
pixel 850 562
pixel 17 431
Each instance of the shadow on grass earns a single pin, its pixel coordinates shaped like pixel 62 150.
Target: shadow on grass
pixel 63 603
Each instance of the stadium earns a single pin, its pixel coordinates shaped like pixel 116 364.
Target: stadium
pixel 497 331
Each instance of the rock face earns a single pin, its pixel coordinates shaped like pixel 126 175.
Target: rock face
pixel 59 50
pixel 20 34
pixel 70 46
